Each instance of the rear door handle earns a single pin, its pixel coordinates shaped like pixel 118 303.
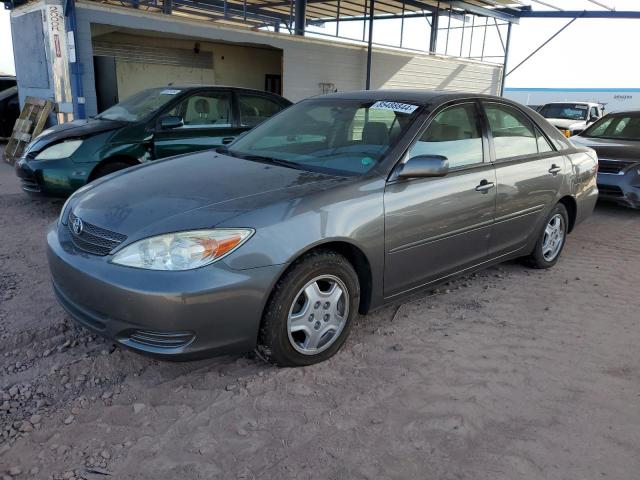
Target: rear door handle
pixel 485 186
pixel 555 169
pixel 227 140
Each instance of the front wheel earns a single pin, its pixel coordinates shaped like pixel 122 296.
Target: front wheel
pixel 551 239
pixel 310 311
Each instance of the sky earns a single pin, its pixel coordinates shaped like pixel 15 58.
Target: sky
pixel 588 54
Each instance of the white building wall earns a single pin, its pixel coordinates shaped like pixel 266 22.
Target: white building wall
pixel 306 62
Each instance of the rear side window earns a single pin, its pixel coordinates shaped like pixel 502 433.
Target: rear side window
pixel 543 143
pixel 455 134
pixel 205 110
pixel 255 109
pixel 513 133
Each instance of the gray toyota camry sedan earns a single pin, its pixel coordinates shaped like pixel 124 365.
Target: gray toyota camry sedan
pixel 331 208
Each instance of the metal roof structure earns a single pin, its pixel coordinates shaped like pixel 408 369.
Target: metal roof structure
pixel 465 23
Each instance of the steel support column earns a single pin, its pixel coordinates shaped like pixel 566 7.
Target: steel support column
pixel 435 24
pixel 506 59
pixel 167 7
pixel 370 43
pixel 301 16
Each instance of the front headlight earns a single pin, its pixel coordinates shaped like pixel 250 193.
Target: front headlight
pixel 182 250
pixel 59 150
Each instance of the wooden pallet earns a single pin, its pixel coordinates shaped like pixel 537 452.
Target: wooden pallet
pixel 29 124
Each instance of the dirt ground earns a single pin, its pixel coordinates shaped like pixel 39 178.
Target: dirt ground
pixel 508 374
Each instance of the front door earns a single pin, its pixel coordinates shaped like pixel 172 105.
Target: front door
pixel 438 226
pixel 529 173
pixel 208 122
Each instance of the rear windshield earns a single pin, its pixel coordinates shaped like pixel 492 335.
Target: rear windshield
pixel 565 111
pixel 140 105
pixel 618 127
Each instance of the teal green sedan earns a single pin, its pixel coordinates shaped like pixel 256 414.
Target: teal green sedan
pixel 155 123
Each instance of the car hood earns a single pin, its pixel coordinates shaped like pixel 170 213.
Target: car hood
pixel 193 191
pixel 611 149
pixel 75 129
pixel 568 124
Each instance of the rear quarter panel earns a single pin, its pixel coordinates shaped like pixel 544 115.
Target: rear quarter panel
pixel 583 180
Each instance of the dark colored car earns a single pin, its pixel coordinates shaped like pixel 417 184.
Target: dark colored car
pixel 152 124
pixel 616 139
pixel 9 105
pixel 337 205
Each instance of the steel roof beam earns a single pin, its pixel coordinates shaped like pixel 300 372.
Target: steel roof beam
pixel 219 7
pixel 483 11
pixel 617 14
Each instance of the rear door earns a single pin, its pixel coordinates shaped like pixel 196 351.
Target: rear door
pixel 438 226
pixel 529 172
pixel 208 120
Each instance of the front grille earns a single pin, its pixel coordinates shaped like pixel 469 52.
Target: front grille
pixel 612 167
pixel 164 340
pixel 610 190
pixel 92 239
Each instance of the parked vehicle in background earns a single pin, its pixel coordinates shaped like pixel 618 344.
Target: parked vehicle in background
pixel 152 124
pixel 616 138
pixel 571 118
pixel 9 105
pixel 338 205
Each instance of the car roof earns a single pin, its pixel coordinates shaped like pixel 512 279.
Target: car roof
pixel 419 97
pixel 625 112
pixel 198 86
pixel 572 103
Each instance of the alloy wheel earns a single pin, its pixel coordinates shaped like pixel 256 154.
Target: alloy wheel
pixel 318 314
pixel 554 234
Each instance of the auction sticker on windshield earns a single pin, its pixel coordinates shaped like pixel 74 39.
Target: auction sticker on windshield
pixel 394 106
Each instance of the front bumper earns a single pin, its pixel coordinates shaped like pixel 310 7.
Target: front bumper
pixel 52 177
pixel 177 315
pixel 623 188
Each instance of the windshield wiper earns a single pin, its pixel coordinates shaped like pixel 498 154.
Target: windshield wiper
pixel 275 161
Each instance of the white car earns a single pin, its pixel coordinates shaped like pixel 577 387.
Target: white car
pixel 572 118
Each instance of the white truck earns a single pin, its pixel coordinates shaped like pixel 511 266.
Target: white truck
pixel 571 118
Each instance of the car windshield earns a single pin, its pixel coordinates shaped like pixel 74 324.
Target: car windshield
pixel 565 111
pixel 335 136
pixel 619 127
pixel 138 106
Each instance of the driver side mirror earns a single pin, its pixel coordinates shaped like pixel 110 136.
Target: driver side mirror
pixel 593 118
pixel 173 121
pixel 424 166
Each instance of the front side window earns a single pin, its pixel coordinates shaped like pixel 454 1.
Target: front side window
pixel 453 133
pixel 205 110
pixel 255 109
pixel 617 127
pixel 140 105
pixel 513 134
pixel 328 135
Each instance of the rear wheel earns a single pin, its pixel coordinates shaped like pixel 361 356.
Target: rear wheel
pixel 110 167
pixel 310 312
pixel 551 239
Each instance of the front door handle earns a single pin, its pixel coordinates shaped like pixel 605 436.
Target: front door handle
pixel 227 140
pixel 485 186
pixel 555 169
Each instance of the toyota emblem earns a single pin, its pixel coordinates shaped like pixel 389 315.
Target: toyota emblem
pixel 77 226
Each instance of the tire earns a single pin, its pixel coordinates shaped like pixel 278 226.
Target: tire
pixel 110 167
pixel 547 250
pixel 309 337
